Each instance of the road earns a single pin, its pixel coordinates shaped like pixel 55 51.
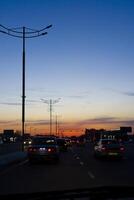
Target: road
pixel 77 169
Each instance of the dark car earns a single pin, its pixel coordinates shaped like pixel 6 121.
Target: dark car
pixel 109 148
pixel 81 142
pixel 62 144
pixel 68 142
pixel 43 148
pixel 27 141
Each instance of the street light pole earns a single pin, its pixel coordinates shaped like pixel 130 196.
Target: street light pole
pixel 50 116
pixel 23 85
pixel 50 103
pixel 56 126
pixel 23 33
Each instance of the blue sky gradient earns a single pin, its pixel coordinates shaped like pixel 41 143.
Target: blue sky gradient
pixel 86 59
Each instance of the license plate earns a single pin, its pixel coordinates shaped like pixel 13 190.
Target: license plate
pixel 113 154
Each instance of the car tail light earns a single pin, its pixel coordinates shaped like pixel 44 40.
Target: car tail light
pixel 103 148
pixel 51 149
pixel 122 148
pixel 32 149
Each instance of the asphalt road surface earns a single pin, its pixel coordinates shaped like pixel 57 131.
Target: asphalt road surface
pixel 77 169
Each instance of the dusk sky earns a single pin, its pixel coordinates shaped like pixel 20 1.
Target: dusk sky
pixel 86 59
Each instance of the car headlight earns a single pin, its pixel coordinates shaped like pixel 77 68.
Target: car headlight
pixel 24 142
pixel 30 142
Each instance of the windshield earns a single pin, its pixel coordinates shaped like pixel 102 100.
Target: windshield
pixel 66 95
pixel 109 142
pixel 43 141
pixel 61 142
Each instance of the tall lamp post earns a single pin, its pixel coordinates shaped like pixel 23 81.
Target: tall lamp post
pixel 50 103
pixel 23 33
pixel 57 124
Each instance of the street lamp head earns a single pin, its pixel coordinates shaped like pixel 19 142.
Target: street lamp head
pixel 3 31
pixel 45 33
pixel 49 26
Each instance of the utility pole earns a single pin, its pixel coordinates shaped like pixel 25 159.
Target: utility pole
pixel 56 126
pixel 23 33
pixel 50 116
pixel 51 103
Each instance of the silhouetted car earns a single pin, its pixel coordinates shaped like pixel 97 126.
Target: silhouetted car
pixel 68 142
pixel 62 144
pixel 27 141
pixel 108 148
pixel 81 142
pixel 43 148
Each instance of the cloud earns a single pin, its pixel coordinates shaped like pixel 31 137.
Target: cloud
pixel 17 103
pixel 46 122
pixel 106 120
pixel 38 122
pixel 127 93
pixel 99 120
pixel 36 89
pixel 14 122
pixel 77 96
pixel 11 104
pixel 33 101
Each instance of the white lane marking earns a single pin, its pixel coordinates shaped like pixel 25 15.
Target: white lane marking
pixel 91 175
pixel 81 163
pixel 77 158
pixel 22 163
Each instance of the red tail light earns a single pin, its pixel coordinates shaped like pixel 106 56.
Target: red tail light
pixel 103 148
pixel 51 149
pixel 122 148
pixel 32 149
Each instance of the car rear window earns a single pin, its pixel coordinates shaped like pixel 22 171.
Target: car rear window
pixel 41 141
pixel 61 142
pixel 110 142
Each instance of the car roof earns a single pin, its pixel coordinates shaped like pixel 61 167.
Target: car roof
pixel 107 140
pixel 43 137
pixel 61 139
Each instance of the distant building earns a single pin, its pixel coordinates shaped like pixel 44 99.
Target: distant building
pixel 8 135
pixel 121 134
pixel 127 130
pixel 94 134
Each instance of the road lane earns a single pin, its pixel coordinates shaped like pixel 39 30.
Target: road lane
pixel 77 169
pixel 108 172
pixel 67 174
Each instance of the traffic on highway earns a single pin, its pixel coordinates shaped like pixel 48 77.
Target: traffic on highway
pixel 66 99
pixel 48 167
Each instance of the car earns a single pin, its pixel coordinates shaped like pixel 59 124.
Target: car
pixel 62 144
pixel 81 142
pixel 109 148
pixel 1 140
pixel 43 148
pixel 68 142
pixel 27 141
